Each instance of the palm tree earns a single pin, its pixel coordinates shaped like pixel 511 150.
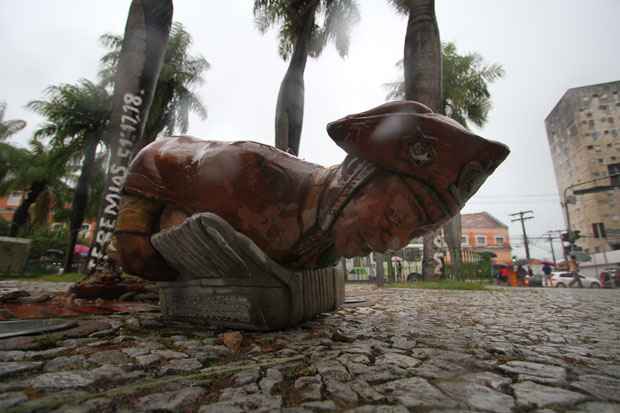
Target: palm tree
pixel 174 96
pixel 422 73
pixel 465 82
pixel 9 127
pixel 39 170
pixel 76 118
pixel 466 98
pixel 301 36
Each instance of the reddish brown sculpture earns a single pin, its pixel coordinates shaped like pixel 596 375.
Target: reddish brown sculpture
pixel 408 170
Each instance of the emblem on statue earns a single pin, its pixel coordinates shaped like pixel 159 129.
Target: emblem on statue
pixel 243 234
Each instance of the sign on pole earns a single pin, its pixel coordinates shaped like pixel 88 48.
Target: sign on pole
pixel 142 53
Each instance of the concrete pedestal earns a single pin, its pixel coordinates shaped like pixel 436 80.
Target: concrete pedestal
pixel 13 255
pixel 254 304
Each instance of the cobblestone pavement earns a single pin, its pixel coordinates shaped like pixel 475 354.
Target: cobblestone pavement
pixel 504 350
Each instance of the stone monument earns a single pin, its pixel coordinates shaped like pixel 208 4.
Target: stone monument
pixel 244 235
pixel 13 255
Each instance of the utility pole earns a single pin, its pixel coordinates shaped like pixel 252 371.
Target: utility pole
pixel 523 218
pixel 550 238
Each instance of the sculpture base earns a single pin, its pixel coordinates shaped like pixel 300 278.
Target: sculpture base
pixel 242 303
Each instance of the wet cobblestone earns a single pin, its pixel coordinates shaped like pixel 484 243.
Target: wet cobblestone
pixel 503 350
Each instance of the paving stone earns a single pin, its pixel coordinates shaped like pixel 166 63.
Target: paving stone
pixel 110 357
pixel 382 373
pixel 272 377
pixel 540 373
pixel 66 363
pixel 415 392
pixel 15 355
pixel 532 394
pixel 322 406
pixel 170 354
pixel 89 406
pixel 136 351
pixel 340 391
pixel 398 360
pixel 148 360
pixel 180 365
pixel 62 380
pixel 11 399
pixel 477 396
pixel 235 393
pixel 221 407
pixel 595 407
pixel 492 380
pixel 366 392
pixel 379 409
pixel 333 369
pixel 12 368
pixel 309 387
pixel 246 377
pixel 172 401
pixel 252 402
pixel 602 387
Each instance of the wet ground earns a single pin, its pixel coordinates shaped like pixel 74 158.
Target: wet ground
pixel 504 350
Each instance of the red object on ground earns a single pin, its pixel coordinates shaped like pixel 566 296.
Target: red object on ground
pixel 59 310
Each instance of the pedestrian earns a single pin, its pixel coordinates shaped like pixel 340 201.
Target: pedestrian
pixel 546 269
pixel 521 273
pixel 573 268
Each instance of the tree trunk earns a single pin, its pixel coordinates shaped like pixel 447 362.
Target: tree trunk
pixel 290 106
pixel 422 66
pixel 452 234
pixel 20 217
pixel 80 199
pixel 380 276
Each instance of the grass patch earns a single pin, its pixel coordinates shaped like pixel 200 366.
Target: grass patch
pixel 443 285
pixel 68 277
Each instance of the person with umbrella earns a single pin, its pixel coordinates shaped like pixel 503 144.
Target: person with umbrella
pixel 546 269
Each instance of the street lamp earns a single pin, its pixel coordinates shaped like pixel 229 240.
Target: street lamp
pixel 573 200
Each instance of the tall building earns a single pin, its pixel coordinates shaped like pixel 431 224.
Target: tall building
pixel 584 137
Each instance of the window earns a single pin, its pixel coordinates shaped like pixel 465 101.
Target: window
pixel 614 169
pixel 595 136
pixel 590 147
pixel 499 241
pixel 464 240
pixel 598 229
pixel 481 240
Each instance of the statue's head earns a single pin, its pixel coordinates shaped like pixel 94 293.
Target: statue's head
pixel 428 167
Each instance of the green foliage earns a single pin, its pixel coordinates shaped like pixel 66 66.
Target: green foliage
pixel 4 227
pixel 174 96
pixel 336 17
pixel 9 127
pixel 470 271
pixel 44 239
pixel 466 97
pixel 443 285
pixel 70 277
pixel 74 114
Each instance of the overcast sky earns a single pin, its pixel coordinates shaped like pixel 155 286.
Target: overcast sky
pixel 545 46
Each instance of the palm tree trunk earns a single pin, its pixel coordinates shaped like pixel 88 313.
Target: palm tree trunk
pixel 290 106
pixel 422 65
pixel 20 217
pixel 380 271
pixel 452 233
pixel 80 199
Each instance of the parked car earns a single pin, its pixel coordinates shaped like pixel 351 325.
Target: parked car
pixel 610 277
pixel 563 279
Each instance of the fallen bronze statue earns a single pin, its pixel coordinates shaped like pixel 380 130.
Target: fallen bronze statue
pixel 244 235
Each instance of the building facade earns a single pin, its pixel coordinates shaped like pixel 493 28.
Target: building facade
pixel 482 232
pixel 583 131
